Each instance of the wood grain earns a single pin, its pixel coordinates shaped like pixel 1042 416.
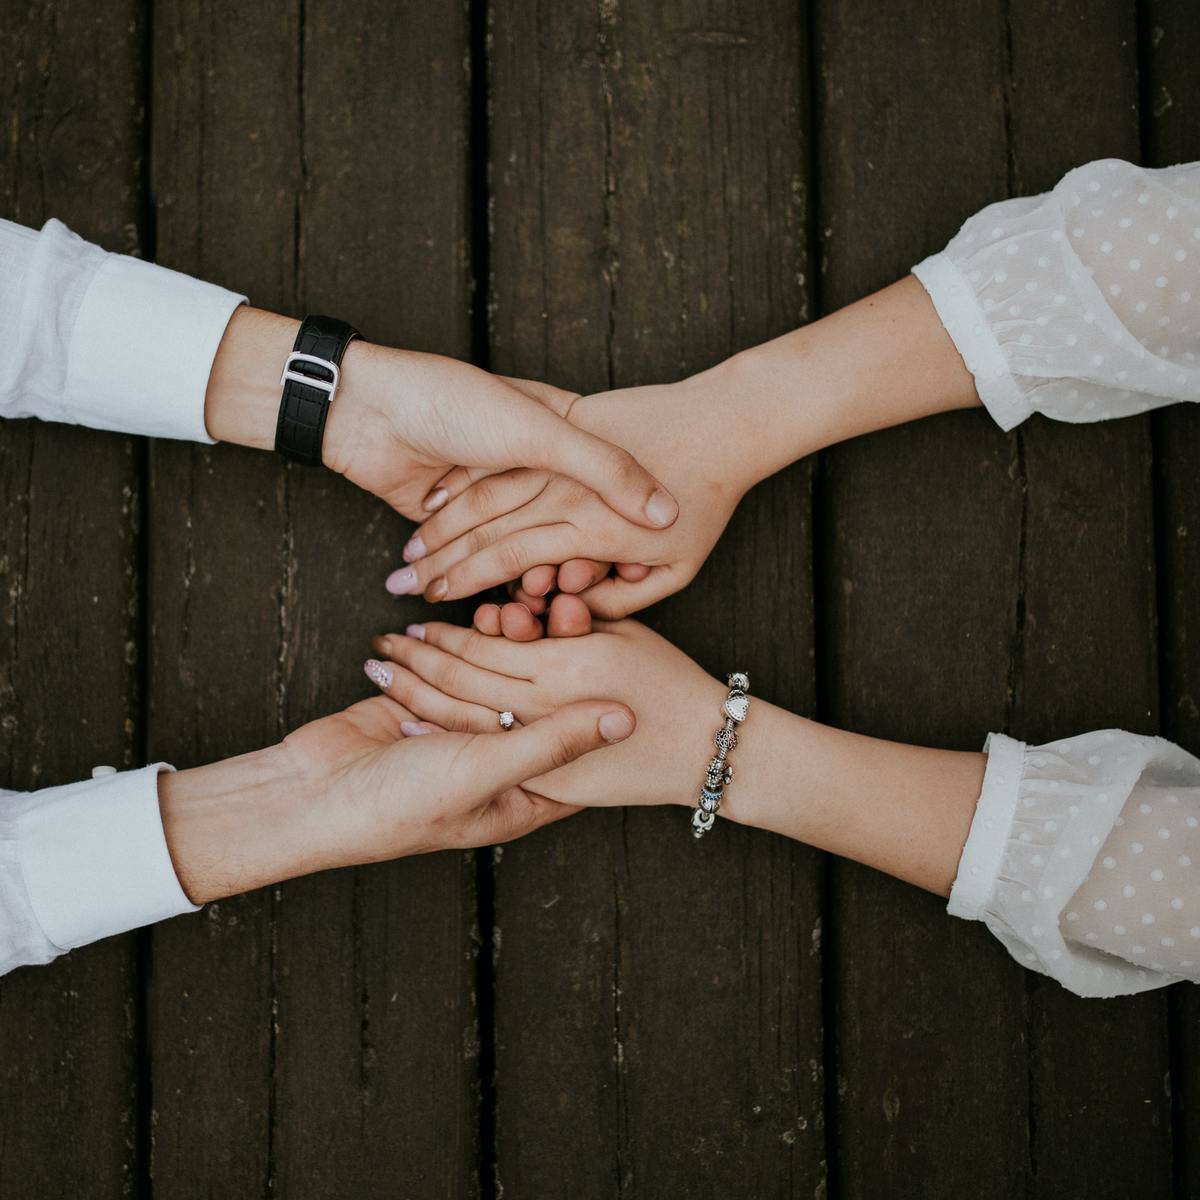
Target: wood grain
pixel 315 168
pixel 920 551
pixel 658 1025
pixel 1170 43
pixel 72 86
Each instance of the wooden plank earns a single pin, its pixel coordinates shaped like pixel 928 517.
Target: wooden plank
pixel 920 549
pixel 649 170
pixel 323 169
pixel 377 1014
pixel 225 171
pixel 1085 648
pixel 72 77
pixel 1170 46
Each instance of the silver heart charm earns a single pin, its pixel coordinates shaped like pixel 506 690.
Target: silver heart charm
pixel 736 708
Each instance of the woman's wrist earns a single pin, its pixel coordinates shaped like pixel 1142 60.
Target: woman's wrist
pixel 881 361
pixel 243 823
pixel 904 810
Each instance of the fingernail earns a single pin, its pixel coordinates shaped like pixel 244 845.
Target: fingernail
pixel 413 728
pixel 414 548
pixel 379 673
pixel 435 500
pixel 615 726
pixel 402 582
pixel 437 589
pixel 416 631
pixel 661 509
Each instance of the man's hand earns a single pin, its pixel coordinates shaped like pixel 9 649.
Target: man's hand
pixel 359 787
pixel 499 527
pixel 400 420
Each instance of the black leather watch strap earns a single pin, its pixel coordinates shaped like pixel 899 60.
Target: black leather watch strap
pixel 310 381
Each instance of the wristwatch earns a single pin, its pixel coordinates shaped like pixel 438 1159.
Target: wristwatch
pixel 310 381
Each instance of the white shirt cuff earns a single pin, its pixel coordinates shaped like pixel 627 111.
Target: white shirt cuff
pixel 984 850
pixel 959 310
pixel 95 859
pixel 143 348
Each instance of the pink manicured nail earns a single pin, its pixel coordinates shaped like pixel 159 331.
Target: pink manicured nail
pixel 437 589
pixel 435 500
pixel 379 673
pixel 402 582
pixel 416 631
pixel 416 728
pixel 661 509
pixel 414 548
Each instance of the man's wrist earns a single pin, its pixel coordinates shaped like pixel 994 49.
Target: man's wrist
pixel 240 824
pixel 241 405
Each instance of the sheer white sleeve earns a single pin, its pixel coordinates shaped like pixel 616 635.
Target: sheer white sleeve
pixel 105 340
pixel 83 862
pixel 1084 860
pixel 1082 303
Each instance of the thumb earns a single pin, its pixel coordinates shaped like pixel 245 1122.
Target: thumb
pixel 612 473
pixel 554 741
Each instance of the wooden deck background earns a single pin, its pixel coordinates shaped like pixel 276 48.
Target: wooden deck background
pixel 597 192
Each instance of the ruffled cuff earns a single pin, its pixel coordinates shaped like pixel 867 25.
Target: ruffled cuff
pixel 959 310
pixel 1042 817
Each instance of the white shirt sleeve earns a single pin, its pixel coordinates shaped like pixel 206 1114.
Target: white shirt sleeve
pixel 1084 860
pixel 82 862
pixel 1082 303
pixel 105 340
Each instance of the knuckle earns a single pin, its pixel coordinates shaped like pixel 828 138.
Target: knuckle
pixel 566 748
pixel 484 496
pixel 480 538
pixel 510 559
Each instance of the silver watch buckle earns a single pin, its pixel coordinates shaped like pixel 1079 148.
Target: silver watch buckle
pixel 329 386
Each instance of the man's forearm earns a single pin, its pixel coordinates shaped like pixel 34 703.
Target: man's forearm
pixel 881 361
pixel 904 810
pixel 240 824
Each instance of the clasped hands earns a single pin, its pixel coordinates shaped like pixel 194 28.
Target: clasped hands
pixel 612 501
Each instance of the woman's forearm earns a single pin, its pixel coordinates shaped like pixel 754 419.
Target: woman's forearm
pixel 905 810
pixel 881 361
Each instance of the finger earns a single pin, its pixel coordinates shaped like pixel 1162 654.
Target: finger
pixel 624 484
pixel 569 617
pixel 454 483
pixel 515 813
pixel 632 572
pixel 552 742
pixel 427 703
pixel 491 654
pixel 457 677
pixel 518 624
pixel 507 559
pixel 579 574
pixel 491 554
pixel 537 581
pixel 487 620
pixel 489 498
pixel 536 604
pixel 416 728
pixel 614 598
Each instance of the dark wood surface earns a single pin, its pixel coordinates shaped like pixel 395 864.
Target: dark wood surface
pixel 598 194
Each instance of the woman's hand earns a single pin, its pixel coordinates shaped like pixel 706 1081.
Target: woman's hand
pixel 400 420
pixel 352 788
pixel 454 678
pixel 497 528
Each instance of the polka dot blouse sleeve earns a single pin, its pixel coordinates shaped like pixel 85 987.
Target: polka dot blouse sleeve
pixel 1083 303
pixel 1084 860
